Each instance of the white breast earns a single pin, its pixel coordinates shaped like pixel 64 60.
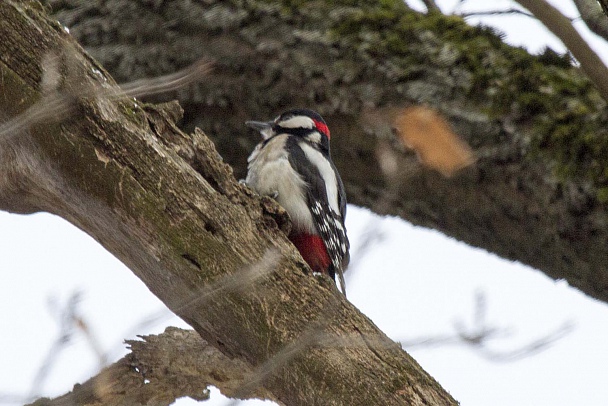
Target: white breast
pixel 271 174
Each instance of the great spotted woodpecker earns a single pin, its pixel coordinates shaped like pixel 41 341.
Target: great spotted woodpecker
pixel 292 164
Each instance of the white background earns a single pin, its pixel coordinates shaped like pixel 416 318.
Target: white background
pixel 412 282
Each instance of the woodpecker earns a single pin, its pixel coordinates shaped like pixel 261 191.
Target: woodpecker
pixel 292 164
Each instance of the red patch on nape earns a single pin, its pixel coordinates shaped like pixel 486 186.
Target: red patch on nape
pixel 313 251
pixel 321 126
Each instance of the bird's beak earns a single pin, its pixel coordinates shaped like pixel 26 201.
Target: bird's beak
pixel 259 125
pixel 264 127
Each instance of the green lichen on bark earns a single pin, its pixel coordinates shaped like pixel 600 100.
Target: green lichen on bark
pixel 527 117
pixel 564 114
pixel 428 58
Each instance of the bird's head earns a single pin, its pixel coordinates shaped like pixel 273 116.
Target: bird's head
pixel 303 123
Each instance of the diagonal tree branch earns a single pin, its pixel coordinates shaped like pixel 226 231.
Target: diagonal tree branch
pixel 120 171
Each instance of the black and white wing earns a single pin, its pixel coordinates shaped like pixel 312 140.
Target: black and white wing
pixel 326 199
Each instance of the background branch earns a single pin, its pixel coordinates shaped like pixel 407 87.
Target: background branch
pixel 561 26
pixel 591 13
pixel 431 6
pixel 604 5
pixel 536 124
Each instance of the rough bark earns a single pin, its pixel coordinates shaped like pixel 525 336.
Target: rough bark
pixel 158 370
pixel 538 192
pixel 165 204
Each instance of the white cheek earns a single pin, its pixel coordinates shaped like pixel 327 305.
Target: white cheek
pixel 267 133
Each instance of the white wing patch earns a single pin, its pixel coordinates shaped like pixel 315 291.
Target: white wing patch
pixel 327 173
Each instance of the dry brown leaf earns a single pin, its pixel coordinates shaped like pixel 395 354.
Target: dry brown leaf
pixel 426 132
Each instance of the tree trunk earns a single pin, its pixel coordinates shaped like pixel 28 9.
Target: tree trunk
pixel 538 192
pixel 166 205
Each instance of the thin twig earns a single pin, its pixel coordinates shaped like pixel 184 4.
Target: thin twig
pixel 481 333
pixel 161 84
pixel 492 13
pixel 55 105
pixel 532 348
pixel 66 317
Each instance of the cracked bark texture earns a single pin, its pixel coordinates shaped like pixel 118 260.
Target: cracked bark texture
pixel 158 370
pixel 166 205
pixel 538 191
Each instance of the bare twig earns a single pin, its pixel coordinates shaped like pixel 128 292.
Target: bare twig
pixel 247 383
pixel 492 13
pixel 561 26
pixel 148 374
pixel 534 347
pixel 66 317
pixel 372 236
pixel 481 333
pixel 55 105
pixel 161 84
